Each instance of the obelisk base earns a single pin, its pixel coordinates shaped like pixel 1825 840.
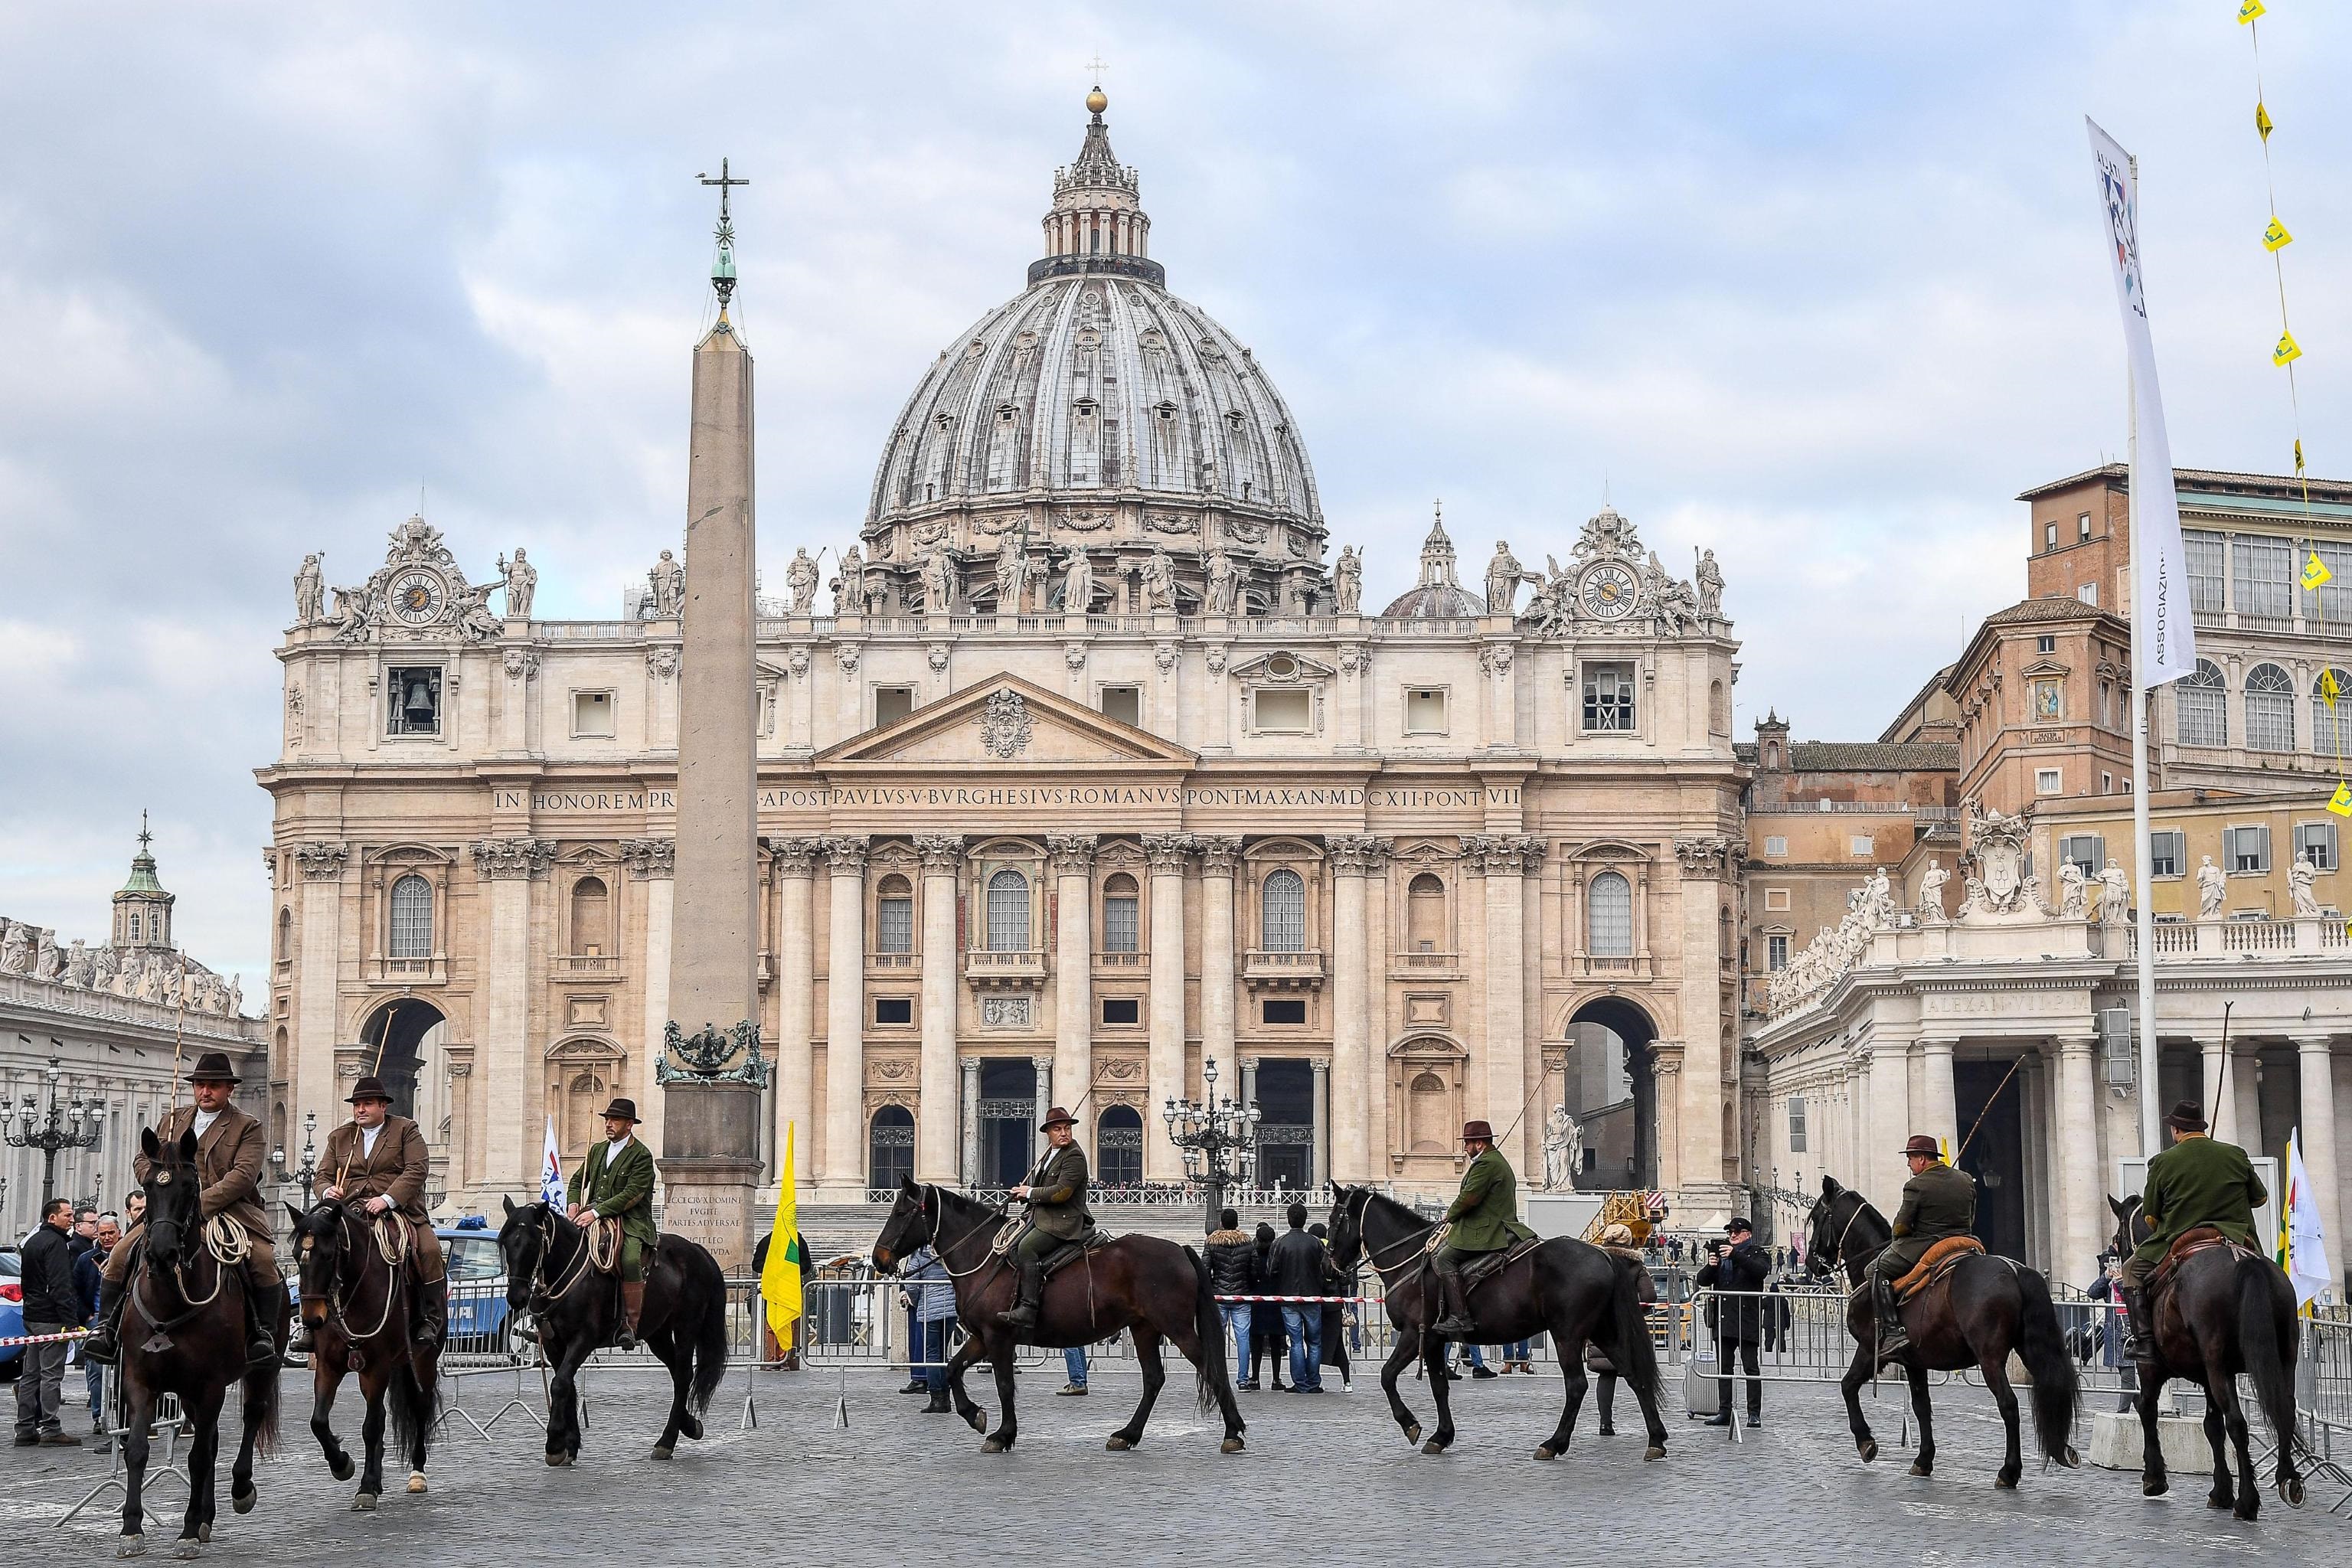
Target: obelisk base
pixel 708 1181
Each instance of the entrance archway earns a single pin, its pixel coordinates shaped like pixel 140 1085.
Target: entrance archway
pixel 1612 1092
pixel 1008 1119
pixel 397 1035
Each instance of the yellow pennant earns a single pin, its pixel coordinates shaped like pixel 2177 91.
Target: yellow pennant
pixel 2288 349
pixel 2329 687
pixel 2262 120
pixel 2276 237
pixel 2315 575
pixel 2249 10
pixel 2298 454
pixel 2342 803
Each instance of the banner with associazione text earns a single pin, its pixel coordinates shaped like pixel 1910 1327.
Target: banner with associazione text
pixel 2160 608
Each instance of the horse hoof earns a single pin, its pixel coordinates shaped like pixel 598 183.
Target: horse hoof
pixel 2072 1461
pixel 342 1467
pixel 1546 1454
pixel 1868 1449
pixel 1655 1451
pixel 1433 1447
pixel 976 1421
pixel 2249 1512
pixel 2005 1481
pixel 2219 1504
pixel 662 1451
pixel 242 1501
pixel 691 1426
pixel 363 1502
pixel 1118 1445
pixel 1922 1467
pixel 189 1549
pixel 131 1546
pixel 2154 1486
pixel 1233 1446
pixel 994 1446
pixel 2291 1492
pixel 1412 1433
pixel 204 1533
pixel 416 1483
pixel 559 1458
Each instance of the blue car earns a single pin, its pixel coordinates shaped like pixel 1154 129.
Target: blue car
pixel 12 1310
pixel 478 1289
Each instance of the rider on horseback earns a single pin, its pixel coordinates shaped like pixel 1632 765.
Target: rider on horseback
pixel 1485 1217
pixel 1938 1202
pixel 617 1181
pixel 1057 1194
pixel 2198 1181
pixel 228 1160
pixel 380 1161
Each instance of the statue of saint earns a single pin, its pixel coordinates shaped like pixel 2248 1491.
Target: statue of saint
pixel 2298 883
pixel 1504 575
pixel 1078 581
pixel 800 582
pixel 1158 582
pixel 1348 581
pixel 521 580
pixel 1011 575
pixel 1222 582
pixel 2212 890
pixel 668 580
pixel 1710 587
pixel 309 592
pixel 2115 895
pixel 1931 889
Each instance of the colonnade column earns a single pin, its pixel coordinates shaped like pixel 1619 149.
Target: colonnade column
pixel 971 1121
pixel 1074 965
pixel 509 866
pixel 1503 862
pixel 319 1007
pixel 1889 1123
pixel 1170 853
pixel 1351 1063
pixel 1217 959
pixel 653 862
pixel 935 1124
pixel 2079 1185
pixel 2318 1135
pixel 844 1018
pixel 1703 864
pixel 796 863
pixel 1936 1095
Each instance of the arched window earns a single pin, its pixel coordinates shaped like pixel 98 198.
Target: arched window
pixel 591 916
pixel 894 915
pixel 2201 706
pixel 2270 709
pixel 1282 913
pixel 1119 905
pixel 2331 713
pixel 412 917
pixel 1119 1147
pixel 891 1149
pixel 285 935
pixel 1008 912
pixel 1425 913
pixel 1609 916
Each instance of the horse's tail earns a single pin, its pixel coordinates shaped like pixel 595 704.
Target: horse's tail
pixel 1211 1386
pixel 1638 1362
pixel 261 1406
pixel 413 1405
pixel 2057 1385
pixel 704 1285
pixel 2269 1354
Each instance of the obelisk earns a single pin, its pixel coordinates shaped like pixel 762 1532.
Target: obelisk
pixel 711 1065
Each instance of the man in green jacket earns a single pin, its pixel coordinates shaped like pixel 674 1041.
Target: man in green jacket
pixel 1056 1193
pixel 1485 1218
pixel 2198 1181
pixel 1938 1202
pixel 617 1181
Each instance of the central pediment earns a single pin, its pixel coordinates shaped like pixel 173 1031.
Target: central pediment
pixel 1005 722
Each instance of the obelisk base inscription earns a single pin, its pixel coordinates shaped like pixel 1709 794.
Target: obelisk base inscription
pixel 708 1181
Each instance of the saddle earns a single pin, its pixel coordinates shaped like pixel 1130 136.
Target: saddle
pixel 2187 1245
pixel 1482 1264
pixel 1940 1258
pixel 1052 1263
pixel 604 1244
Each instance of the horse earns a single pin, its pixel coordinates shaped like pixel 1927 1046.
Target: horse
pixel 1153 1289
pixel 1973 1316
pixel 576 1308
pixel 183 1334
pixel 1568 1289
pixel 355 1301
pixel 2226 1311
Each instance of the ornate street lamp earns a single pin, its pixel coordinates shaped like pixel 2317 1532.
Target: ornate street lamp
pixel 308 1171
pixel 73 1124
pixel 1217 1136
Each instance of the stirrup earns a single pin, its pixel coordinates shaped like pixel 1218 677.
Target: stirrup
pixel 1455 1327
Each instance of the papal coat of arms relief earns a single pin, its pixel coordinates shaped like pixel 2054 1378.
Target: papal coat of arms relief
pixel 1004 727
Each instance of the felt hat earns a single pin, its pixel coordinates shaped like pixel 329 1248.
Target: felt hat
pixel 1477 1132
pixel 368 1087
pixel 1058 1117
pixel 1921 1143
pixel 213 1067
pixel 621 1107
pixel 2188 1116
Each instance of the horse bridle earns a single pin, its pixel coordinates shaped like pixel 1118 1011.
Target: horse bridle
pixel 338 1304
pixel 540 1295
pixel 930 1202
pixel 1837 1247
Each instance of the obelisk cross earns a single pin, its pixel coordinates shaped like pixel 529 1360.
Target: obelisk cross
pixel 723 181
pixel 722 267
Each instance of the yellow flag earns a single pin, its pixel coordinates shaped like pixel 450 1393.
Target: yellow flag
pixel 2315 575
pixel 2249 10
pixel 2288 349
pixel 2328 687
pixel 779 1278
pixel 2276 237
pixel 2262 120
pixel 2341 803
pixel 2298 454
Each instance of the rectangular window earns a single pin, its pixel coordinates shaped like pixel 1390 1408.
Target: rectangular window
pixel 1284 712
pixel 2106 782
pixel 1796 1124
pixel 2316 842
pixel 1775 845
pixel 2050 535
pixel 894 925
pixel 2047 781
pixel 2089 594
pixel 1775 898
pixel 1424 711
pixel 892 703
pixel 1776 954
pixel 1119 922
pixel 2083 527
pixel 2203 550
pixel 2249 848
pixel 1124 703
pixel 2046 643
pixel 1608 697
pixel 2086 852
pixel 591 715
pixel 2263 576
pixel 1283 1011
pixel 894 1009
pixel 1860 843
pixel 1122 1010
pixel 2333 602
pixel 2167 850
pixel 414 696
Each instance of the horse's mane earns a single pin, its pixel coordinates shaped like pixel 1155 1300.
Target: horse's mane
pixel 964 1203
pixel 1403 1213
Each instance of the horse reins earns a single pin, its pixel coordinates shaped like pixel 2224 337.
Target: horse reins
pixel 391 1246
pixel 931 1202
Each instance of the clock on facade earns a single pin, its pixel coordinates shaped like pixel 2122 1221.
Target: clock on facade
pixel 1608 591
pixel 416 597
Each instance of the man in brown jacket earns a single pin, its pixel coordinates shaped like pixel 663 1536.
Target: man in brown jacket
pixel 229 1151
pixel 378 1162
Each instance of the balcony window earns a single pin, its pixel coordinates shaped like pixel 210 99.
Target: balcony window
pixel 412 919
pixel 1285 712
pixel 1120 906
pixel 1609 916
pixel 1425 913
pixel 2203 552
pixel 1608 698
pixel 1282 913
pixel 2270 709
pixel 894 916
pixel 2201 706
pixel 2263 576
pixel 1008 912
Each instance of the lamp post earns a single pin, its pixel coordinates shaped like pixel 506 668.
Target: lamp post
pixel 308 1171
pixel 1217 1137
pixel 73 1124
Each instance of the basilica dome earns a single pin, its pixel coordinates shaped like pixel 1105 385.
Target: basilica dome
pixel 1096 409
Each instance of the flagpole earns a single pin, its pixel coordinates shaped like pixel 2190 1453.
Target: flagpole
pixel 2142 851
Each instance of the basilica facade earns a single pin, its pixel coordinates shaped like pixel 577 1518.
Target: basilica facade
pixel 1089 781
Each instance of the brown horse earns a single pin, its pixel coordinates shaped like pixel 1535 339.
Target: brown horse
pixel 1155 1290
pixel 183 1334
pixel 1573 1291
pixel 355 1299
pixel 1973 1316
pixel 2224 1313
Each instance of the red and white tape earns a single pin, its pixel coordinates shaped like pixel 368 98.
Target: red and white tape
pixel 1302 1301
pixel 43 1339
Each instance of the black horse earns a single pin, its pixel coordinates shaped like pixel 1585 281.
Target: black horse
pixel 1154 1289
pixel 1570 1289
pixel 183 1334
pixel 577 1310
pixel 1973 1316
pixel 2225 1312
pixel 355 1299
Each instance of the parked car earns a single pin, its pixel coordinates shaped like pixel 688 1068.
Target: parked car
pixel 477 1288
pixel 12 1310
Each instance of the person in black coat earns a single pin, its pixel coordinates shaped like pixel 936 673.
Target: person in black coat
pixel 52 1305
pixel 1232 1257
pixel 1267 1337
pixel 1739 1269
pixel 1334 1316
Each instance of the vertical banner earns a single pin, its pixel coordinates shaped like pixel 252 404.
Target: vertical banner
pixel 2160 611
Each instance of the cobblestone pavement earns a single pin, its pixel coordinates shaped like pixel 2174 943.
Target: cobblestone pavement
pixel 1325 1480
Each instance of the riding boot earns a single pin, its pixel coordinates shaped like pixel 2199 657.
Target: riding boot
pixel 633 1302
pixel 260 1323
pixel 431 1312
pixel 298 1340
pixel 1892 1338
pixel 1457 1322
pixel 1026 1294
pixel 2140 1328
pixel 102 1346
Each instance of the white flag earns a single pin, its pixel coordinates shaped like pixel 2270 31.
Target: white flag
pixel 2306 1247
pixel 2160 609
pixel 550 1170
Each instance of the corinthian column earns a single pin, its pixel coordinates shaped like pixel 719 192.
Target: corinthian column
pixel 1936 1097
pixel 1073 961
pixel 1218 957
pixel 1352 860
pixel 1504 861
pixel 844 1019
pixel 936 1122
pixel 1170 853
pixel 2318 1139
pixel 509 866
pixel 795 861
pixel 2078 1162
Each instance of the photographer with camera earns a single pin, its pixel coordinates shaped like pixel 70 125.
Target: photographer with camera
pixel 1737 1267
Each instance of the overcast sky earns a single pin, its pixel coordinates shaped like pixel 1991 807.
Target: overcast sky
pixel 1820 286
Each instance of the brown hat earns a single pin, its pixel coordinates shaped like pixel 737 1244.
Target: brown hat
pixel 1477 1132
pixel 621 1107
pixel 1058 1117
pixel 368 1087
pixel 2188 1116
pixel 1922 1144
pixel 213 1067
